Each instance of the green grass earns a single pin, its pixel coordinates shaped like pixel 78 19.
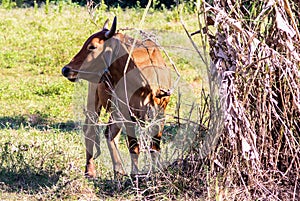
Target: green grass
pixel 41 151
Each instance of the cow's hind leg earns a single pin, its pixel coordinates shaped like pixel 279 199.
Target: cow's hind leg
pixel 155 145
pixel 155 149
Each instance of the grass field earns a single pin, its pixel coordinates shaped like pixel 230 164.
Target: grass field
pixel 41 151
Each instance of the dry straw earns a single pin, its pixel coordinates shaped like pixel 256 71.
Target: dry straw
pixel 254 49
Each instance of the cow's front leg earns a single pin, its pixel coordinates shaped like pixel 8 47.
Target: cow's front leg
pixel 133 147
pixel 111 133
pixel 90 136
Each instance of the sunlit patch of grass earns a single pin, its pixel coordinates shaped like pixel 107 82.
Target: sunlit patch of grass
pixel 33 159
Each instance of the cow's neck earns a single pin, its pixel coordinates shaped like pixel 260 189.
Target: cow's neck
pixel 117 68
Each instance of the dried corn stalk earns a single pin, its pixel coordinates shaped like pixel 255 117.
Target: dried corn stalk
pixel 256 50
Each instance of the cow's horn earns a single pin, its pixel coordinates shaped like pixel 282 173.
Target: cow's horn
pixel 105 26
pixel 112 30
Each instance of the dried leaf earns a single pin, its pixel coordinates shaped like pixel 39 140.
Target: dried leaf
pixel 283 25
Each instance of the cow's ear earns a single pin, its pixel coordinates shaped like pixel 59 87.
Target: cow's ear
pixel 105 26
pixel 112 30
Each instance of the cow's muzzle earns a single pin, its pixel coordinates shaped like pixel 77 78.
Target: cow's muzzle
pixel 65 71
pixel 68 73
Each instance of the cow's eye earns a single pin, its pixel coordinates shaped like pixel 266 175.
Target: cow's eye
pixel 92 47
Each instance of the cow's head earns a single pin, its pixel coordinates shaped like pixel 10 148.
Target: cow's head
pixel 93 58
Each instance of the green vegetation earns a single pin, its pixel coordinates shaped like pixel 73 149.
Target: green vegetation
pixel 41 151
pixel 111 3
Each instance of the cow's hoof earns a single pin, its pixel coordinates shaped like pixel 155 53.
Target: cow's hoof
pixel 90 171
pixel 90 175
pixel 119 175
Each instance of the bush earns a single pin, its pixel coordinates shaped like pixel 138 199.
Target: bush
pixel 109 3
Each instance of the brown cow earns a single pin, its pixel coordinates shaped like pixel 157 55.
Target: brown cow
pixel 133 89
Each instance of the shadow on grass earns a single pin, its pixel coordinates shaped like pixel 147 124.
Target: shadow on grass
pixel 36 121
pixel 120 188
pixel 142 188
pixel 28 180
